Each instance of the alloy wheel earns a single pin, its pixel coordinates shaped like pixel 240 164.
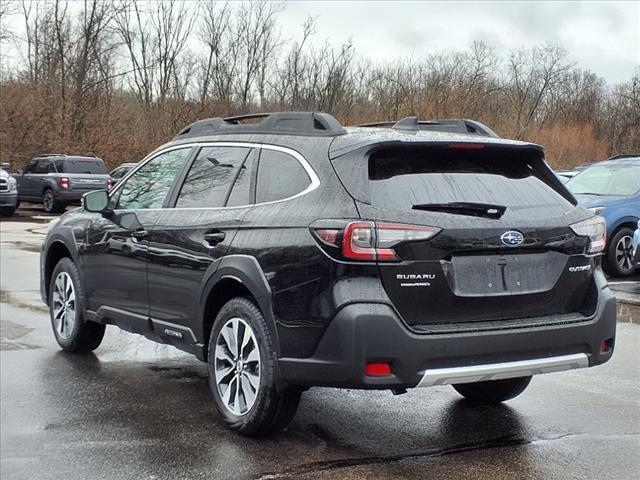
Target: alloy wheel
pixel 47 201
pixel 237 366
pixel 64 305
pixel 624 253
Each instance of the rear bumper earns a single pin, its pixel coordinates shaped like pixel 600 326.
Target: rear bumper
pixel 69 196
pixel 372 332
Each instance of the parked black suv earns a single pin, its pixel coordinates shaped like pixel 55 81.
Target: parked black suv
pixel 58 180
pixel 294 253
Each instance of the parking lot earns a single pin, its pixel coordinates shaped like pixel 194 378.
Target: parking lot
pixel 136 409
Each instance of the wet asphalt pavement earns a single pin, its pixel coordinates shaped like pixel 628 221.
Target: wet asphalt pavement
pixel 138 410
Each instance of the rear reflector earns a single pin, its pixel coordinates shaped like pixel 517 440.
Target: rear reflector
pixel 329 236
pixel 377 369
pixel 606 345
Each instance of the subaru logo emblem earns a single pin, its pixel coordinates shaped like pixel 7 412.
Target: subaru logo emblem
pixel 512 238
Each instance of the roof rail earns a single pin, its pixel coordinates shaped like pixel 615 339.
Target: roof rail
pixel 412 124
pixel 51 155
pixel 626 155
pixel 283 123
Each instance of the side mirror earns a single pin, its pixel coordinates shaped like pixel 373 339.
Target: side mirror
pixel 96 201
pixel 20 171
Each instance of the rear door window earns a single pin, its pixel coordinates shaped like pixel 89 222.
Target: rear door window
pixel 407 179
pixel 241 192
pixel 211 176
pixel 280 176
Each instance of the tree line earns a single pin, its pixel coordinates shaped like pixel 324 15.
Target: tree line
pixel 116 78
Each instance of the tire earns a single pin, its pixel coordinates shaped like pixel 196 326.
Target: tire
pixel 50 204
pixel 73 334
pixel 7 211
pixel 270 410
pixel 618 261
pixel 494 391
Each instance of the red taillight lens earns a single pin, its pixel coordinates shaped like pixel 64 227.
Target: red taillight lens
pixel 368 241
pixel 63 182
pixel 109 184
pixel 377 369
pixel 328 235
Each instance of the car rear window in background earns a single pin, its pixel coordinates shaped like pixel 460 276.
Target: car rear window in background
pixel 90 166
pixel 400 178
pixel 623 180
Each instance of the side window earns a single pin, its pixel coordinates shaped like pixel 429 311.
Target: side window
pixel 41 167
pixel 279 176
pixel 210 177
pixel 149 186
pixel 31 166
pixel 241 191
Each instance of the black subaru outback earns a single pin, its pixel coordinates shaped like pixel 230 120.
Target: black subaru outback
pixel 294 252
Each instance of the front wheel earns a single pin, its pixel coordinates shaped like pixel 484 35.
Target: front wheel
pixel 619 259
pixel 494 391
pixel 66 303
pixel 242 372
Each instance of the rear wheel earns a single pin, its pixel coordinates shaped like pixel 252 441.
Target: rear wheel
pixel 619 259
pixel 242 372
pixel 66 303
pixel 494 391
pixel 50 204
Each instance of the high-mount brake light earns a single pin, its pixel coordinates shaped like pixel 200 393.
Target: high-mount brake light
pixel 467 146
pixel 63 182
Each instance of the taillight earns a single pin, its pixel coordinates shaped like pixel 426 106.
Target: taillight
pixel 63 182
pixel 368 241
pixel 109 184
pixel 359 241
pixel 596 229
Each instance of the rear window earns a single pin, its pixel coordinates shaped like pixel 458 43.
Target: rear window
pixel 403 178
pixel 91 166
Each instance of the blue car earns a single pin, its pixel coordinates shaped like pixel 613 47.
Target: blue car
pixel 636 246
pixel 612 189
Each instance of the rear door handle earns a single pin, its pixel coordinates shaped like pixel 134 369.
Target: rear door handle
pixel 214 238
pixel 139 234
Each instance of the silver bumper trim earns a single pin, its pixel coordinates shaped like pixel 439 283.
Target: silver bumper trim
pixel 497 371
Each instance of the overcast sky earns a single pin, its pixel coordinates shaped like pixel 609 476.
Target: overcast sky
pixel 600 36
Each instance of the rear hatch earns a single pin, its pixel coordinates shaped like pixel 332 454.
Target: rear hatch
pixel 84 173
pixel 504 252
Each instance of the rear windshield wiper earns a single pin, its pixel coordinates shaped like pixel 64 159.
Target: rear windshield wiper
pixel 464 208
